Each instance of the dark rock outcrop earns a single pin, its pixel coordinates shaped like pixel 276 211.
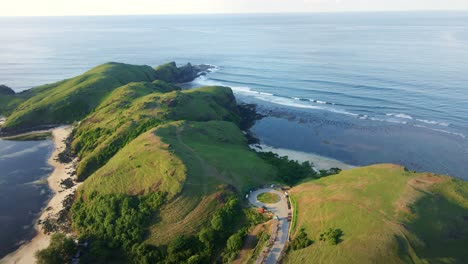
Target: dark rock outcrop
pixel 169 72
pixel 5 90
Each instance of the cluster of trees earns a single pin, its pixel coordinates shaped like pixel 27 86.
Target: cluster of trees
pixel 60 250
pixel 290 171
pixel 115 223
pixel 332 236
pixel 301 241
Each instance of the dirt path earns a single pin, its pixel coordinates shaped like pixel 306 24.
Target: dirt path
pixel 281 210
pixel 251 242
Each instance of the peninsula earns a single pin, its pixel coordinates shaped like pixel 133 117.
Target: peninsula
pixel 158 174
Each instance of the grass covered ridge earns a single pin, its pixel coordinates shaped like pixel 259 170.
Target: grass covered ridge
pixel 72 99
pixel 385 213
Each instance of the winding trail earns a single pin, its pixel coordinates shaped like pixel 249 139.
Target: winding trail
pixel 281 210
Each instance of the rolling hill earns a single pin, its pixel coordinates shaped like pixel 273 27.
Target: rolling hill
pixel 387 215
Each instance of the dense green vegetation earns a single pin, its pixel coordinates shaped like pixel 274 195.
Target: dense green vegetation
pixel 114 221
pixel 289 171
pixel 60 250
pixel 332 236
pixel 386 213
pixel 300 241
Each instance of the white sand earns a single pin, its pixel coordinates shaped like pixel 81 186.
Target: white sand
pixel 25 254
pixel 319 162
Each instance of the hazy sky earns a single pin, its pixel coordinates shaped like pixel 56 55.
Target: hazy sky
pixel 119 7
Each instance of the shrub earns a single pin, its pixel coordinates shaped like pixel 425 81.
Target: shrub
pixel 332 236
pixel 301 241
pixel 290 171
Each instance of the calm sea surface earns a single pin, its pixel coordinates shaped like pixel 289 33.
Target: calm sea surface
pixel 22 166
pixel 362 88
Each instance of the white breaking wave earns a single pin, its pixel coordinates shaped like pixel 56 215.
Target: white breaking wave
pixel 445 124
pixel 213 68
pixel 443 131
pixel 312 100
pixel 390 120
pixel 320 105
pixel 405 116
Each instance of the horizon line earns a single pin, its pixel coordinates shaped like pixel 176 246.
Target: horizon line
pixel 245 13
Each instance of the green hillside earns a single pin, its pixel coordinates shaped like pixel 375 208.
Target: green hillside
pixel 70 100
pixel 146 147
pixel 137 107
pixel 387 215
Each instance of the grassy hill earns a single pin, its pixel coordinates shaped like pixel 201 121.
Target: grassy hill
pixel 71 100
pixel 157 163
pixel 137 107
pixel 189 161
pixel 387 214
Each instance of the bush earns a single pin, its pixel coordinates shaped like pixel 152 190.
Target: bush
pixel 254 217
pixel 60 250
pixel 290 171
pixel 301 241
pixel 332 236
pixel 119 220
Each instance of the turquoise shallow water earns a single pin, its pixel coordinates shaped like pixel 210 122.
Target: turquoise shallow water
pixel 360 87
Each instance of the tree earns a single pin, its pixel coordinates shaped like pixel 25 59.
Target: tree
pixel 332 236
pixel 60 250
pixel 234 243
pixel 301 241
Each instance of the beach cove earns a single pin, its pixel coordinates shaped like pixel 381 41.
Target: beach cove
pixel 25 254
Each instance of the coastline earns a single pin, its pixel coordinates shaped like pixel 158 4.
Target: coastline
pixel 318 162
pixel 25 253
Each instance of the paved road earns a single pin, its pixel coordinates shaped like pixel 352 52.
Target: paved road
pixel 281 210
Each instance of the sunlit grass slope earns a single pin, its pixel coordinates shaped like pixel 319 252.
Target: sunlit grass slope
pixel 137 107
pixel 387 214
pixel 215 154
pixel 72 99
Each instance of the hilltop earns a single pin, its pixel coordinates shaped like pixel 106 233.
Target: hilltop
pixel 387 214
pixel 70 100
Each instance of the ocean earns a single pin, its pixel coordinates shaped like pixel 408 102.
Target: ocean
pixel 361 88
pixel 23 164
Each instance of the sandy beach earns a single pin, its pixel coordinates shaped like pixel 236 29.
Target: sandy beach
pixel 25 254
pixel 319 162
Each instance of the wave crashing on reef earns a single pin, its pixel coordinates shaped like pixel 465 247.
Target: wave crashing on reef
pixel 333 107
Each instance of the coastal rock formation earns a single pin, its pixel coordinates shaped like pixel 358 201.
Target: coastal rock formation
pixel 5 90
pixel 169 72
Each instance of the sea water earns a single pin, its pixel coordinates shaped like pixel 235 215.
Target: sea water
pixel 23 164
